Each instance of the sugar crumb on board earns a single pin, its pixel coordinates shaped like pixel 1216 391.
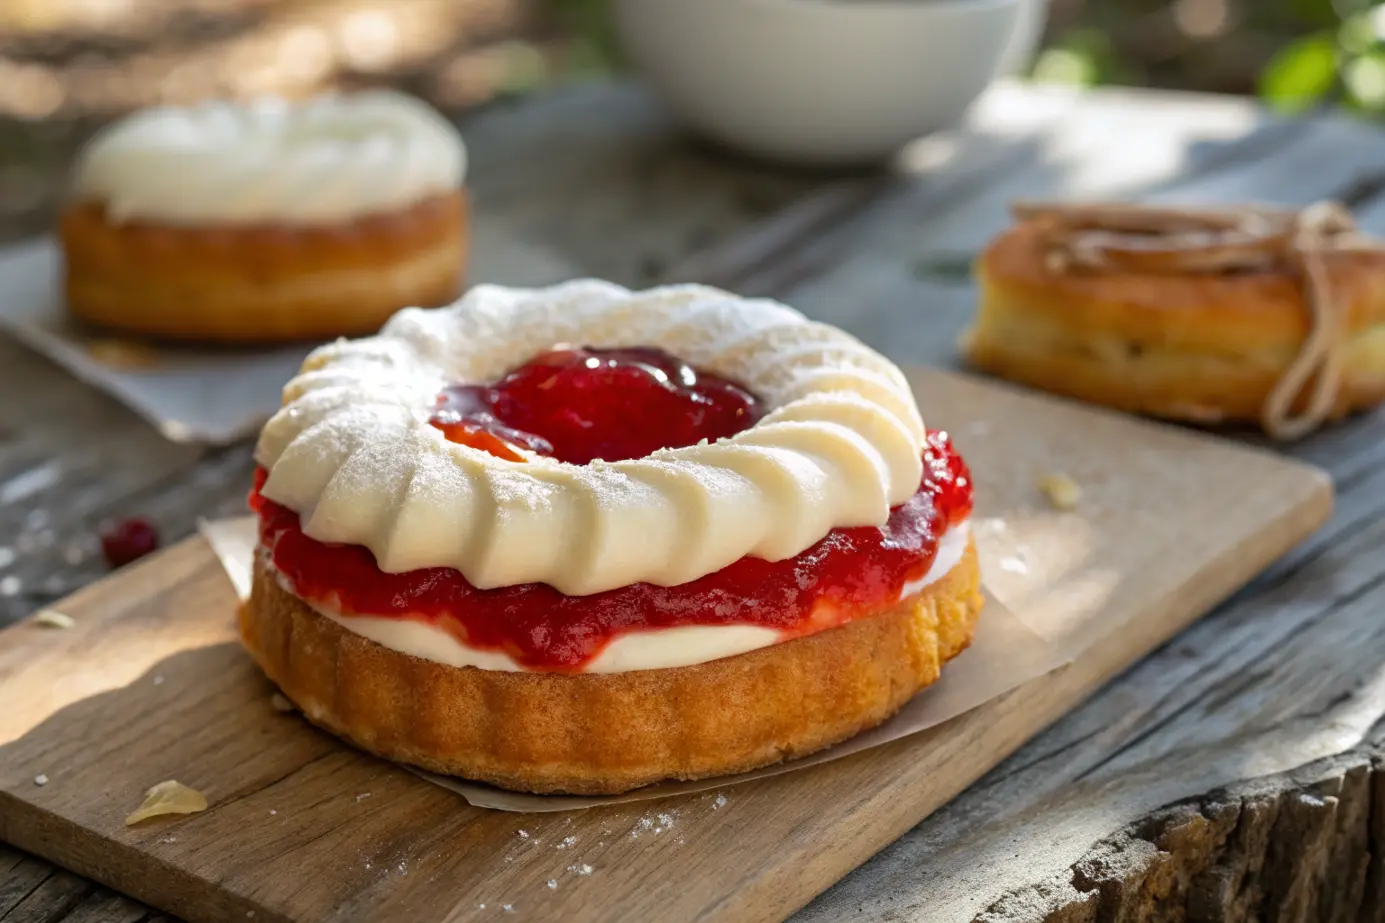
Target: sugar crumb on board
pixel 52 618
pixel 991 525
pixel 1062 491
pixel 122 354
pixel 170 797
pixel 526 843
pixel 655 823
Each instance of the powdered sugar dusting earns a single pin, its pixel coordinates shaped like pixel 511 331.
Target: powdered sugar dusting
pixel 655 823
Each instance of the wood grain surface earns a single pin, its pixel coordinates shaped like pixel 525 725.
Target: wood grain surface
pixel 1266 691
pixel 155 687
pixel 1240 704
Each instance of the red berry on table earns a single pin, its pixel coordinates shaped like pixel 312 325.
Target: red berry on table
pixel 128 540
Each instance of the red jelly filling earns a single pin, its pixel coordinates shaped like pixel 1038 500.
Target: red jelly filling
pixel 851 571
pixel 579 405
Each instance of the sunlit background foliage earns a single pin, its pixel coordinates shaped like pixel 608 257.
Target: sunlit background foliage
pixel 73 58
pixel 1296 54
pixel 68 65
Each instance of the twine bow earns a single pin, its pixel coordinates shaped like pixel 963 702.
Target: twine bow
pixel 1163 239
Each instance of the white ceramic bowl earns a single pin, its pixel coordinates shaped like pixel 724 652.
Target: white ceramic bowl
pixel 1025 37
pixel 825 82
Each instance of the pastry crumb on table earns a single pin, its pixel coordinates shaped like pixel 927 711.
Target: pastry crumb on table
pixel 52 618
pixel 170 797
pixel 129 355
pixel 1062 491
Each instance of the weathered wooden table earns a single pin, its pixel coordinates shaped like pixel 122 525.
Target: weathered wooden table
pixel 1233 775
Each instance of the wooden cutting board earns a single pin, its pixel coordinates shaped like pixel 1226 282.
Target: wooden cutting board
pixel 151 685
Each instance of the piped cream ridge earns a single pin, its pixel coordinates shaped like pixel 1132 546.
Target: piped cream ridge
pixel 352 453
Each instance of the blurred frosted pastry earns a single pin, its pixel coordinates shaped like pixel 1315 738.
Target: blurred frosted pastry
pixel 269 221
pixel 1242 314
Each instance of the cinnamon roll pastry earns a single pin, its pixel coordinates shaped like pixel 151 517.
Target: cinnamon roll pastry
pixel 1240 314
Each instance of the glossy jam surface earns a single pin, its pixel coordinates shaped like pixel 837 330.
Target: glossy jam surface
pixel 849 572
pixel 581 404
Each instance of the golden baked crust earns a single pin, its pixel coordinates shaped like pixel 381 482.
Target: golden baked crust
pixel 1198 347
pixel 608 733
pixel 262 283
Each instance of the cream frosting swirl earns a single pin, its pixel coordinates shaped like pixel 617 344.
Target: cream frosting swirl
pixel 352 453
pixel 326 159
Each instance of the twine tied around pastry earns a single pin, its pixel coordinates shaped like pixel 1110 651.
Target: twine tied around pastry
pixel 1176 240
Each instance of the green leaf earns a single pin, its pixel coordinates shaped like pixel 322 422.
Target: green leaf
pixel 1083 57
pixel 596 47
pixel 1315 12
pixel 1365 81
pixel 1301 74
pixel 1065 66
pixel 1357 33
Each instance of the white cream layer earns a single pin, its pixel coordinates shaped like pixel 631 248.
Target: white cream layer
pixel 323 160
pixel 642 650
